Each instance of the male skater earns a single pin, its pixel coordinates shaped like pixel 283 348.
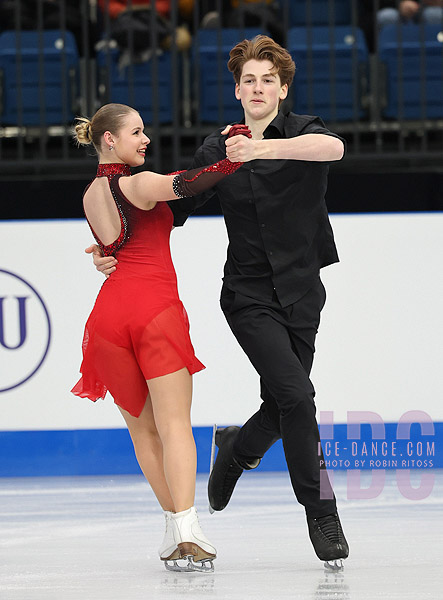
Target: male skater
pixel 279 239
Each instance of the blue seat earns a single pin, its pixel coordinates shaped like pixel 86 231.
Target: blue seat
pixel 39 77
pixel 217 101
pixel 413 58
pixel 319 12
pixel 332 70
pixel 132 85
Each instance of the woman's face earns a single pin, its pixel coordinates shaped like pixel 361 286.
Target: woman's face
pixel 130 142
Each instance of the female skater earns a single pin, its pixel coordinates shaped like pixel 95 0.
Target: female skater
pixel 136 343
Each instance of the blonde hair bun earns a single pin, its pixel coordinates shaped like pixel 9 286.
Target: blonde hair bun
pixel 83 131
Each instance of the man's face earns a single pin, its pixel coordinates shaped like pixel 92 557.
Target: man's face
pixel 260 90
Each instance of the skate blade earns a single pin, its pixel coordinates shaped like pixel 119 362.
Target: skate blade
pixel 202 566
pixel 211 463
pixel 176 567
pixel 334 565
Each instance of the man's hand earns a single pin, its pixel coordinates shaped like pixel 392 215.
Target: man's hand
pixel 240 148
pixel 235 150
pixel 104 264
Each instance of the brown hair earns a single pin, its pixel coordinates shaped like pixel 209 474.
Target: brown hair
pixel 262 47
pixel 110 117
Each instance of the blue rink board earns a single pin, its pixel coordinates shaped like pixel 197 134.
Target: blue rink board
pixel 110 452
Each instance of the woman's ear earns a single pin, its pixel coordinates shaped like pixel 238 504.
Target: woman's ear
pixel 109 138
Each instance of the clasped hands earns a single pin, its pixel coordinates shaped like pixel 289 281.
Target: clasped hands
pixel 239 143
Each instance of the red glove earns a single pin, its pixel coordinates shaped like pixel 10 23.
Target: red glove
pixel 239 129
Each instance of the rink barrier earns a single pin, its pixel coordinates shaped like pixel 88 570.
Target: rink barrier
pixel 110 452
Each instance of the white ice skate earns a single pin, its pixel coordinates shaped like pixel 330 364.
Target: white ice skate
pixel 195 552
pixel 168 550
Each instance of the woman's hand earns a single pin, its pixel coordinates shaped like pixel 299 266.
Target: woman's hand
pixel 238 129
pixel 103 264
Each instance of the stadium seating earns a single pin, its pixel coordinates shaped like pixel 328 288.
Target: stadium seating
pixel 133 84
pixel 39 74
pixel 332 71
pixel 412 57
pixel 319 12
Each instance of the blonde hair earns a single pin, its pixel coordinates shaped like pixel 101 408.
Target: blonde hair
pixel 110 117
pixel 262 47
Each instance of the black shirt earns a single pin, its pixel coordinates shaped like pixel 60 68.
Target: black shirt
pixel 275 214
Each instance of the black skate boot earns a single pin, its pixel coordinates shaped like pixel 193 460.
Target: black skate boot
pixel 328 540
pixel 226 469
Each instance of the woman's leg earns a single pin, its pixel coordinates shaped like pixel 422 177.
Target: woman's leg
pixel 171 397
pixel 163 440
pixel 149 452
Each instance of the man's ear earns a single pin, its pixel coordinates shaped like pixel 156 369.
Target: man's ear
pixel 237 91
pixel 284 91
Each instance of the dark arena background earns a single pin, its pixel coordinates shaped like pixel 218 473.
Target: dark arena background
pixel 59 59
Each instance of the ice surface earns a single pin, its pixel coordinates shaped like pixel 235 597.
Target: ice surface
pixel 96 538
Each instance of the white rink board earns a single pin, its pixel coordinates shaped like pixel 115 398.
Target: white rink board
pixel 378 348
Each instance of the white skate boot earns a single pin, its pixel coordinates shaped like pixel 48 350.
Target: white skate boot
pixel 168 550
pixel 193 546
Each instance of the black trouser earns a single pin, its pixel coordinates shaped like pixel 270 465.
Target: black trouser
pixel 279 342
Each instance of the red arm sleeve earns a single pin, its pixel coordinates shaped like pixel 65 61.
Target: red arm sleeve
pixel 196 181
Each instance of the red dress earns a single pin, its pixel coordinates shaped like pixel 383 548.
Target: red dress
pixel 138 328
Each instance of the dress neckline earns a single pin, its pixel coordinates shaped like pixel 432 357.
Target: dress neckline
pixel 110 169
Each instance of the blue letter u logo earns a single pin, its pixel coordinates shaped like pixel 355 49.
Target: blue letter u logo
pixel 21 320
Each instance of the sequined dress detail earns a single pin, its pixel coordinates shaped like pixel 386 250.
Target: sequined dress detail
pixel 138 328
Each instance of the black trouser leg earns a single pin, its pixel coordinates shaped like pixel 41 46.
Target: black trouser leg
pixel 279 342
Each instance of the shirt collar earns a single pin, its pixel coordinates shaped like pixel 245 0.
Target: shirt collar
pixel 276 127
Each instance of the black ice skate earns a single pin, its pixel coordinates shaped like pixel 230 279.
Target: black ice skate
pixel 225 471
pixel 328 540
